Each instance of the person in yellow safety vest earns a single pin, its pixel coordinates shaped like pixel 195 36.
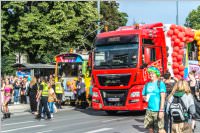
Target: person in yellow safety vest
pixel 87 87
pixel 43 98
pixel 59 92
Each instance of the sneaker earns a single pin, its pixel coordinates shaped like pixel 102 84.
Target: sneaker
pixel 51 115
pixel 38 117
pixel 48 119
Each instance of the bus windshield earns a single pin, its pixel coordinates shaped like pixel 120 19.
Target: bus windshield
pixel 116 56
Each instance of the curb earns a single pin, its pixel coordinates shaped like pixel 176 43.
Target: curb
pixel 20 112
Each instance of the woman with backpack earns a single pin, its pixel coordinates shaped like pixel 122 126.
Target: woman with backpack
pixel 180 106
pixel 169 83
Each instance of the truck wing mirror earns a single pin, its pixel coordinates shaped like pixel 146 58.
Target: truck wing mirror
pixel 144 65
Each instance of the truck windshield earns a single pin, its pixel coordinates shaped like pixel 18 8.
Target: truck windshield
pixel 116 56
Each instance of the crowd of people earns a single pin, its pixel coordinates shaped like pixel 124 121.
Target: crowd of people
pixel 43 94
pixel 173 104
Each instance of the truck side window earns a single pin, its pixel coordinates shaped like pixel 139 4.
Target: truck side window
pixel 147 41
pixel 143 60
pixel 153 54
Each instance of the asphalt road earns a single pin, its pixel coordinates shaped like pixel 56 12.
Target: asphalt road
pixel 77 121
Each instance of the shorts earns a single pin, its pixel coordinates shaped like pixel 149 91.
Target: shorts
pixel 59 96
pixel 7 99
pixel 151 120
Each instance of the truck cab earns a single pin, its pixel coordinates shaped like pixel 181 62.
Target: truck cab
pixel 119 66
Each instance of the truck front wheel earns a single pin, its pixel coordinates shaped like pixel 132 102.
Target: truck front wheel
pixel 113 112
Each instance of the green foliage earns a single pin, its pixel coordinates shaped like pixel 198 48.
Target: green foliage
pixel 111 14
pixel 43 29
pixel 5 60
pixel 193 19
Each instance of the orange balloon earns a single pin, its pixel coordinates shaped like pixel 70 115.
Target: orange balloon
pixel 198 42
pixel 181 73
pixel 197 38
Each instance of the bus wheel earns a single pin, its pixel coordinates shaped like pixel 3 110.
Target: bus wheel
pixel 113 112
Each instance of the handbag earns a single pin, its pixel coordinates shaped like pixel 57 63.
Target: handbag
pixel 55 108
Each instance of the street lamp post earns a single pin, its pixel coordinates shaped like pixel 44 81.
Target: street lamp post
pixel 177 5
pixel 98 9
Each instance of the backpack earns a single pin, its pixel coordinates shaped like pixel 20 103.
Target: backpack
pixel 178 111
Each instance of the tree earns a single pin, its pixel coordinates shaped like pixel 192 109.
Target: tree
pixel 43 29
pixel 111 14
pixel 6 63
pixel 193 19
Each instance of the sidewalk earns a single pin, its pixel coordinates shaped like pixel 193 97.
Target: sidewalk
pixel 18 109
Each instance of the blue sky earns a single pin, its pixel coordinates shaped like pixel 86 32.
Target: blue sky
pixel 151 11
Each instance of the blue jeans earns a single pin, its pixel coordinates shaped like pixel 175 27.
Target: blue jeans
pixel 51 104
pixel 16 95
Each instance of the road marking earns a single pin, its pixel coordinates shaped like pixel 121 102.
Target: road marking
pixel 45 131
pixel 99 130
pixel 21 128
pixel 17 123
pixel 114 119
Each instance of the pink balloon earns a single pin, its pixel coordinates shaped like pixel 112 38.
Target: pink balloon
pixel 181 52
pixel 181 67
pixel 180 35
pixel 176 49
pixel 181 44
pixel 173 26
pixel 170 33
pixel 176 71
pixel 179 57
pixel 176 31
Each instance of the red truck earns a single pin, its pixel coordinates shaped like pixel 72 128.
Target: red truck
pixel 119 65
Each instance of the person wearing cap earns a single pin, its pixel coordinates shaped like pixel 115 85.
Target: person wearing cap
pixel 155 96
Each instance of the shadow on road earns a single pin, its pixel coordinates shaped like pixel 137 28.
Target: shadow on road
pixel 90 111
pixel 140 128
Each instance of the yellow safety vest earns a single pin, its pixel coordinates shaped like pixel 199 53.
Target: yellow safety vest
pixel 45 91
pixel 58 88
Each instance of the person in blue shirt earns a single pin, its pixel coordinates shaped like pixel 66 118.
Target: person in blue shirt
pixel 155 96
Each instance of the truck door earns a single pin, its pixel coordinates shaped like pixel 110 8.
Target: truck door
pixel 152 55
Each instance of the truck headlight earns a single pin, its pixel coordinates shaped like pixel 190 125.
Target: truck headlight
pixel 95 94
pixel 135 94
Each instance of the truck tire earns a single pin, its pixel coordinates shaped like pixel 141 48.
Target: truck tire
pixel 113 112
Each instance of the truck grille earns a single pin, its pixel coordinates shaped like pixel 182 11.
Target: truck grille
pixel 114 79
pixel 114 97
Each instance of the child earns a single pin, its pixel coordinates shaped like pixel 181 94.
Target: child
pixel 51 99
